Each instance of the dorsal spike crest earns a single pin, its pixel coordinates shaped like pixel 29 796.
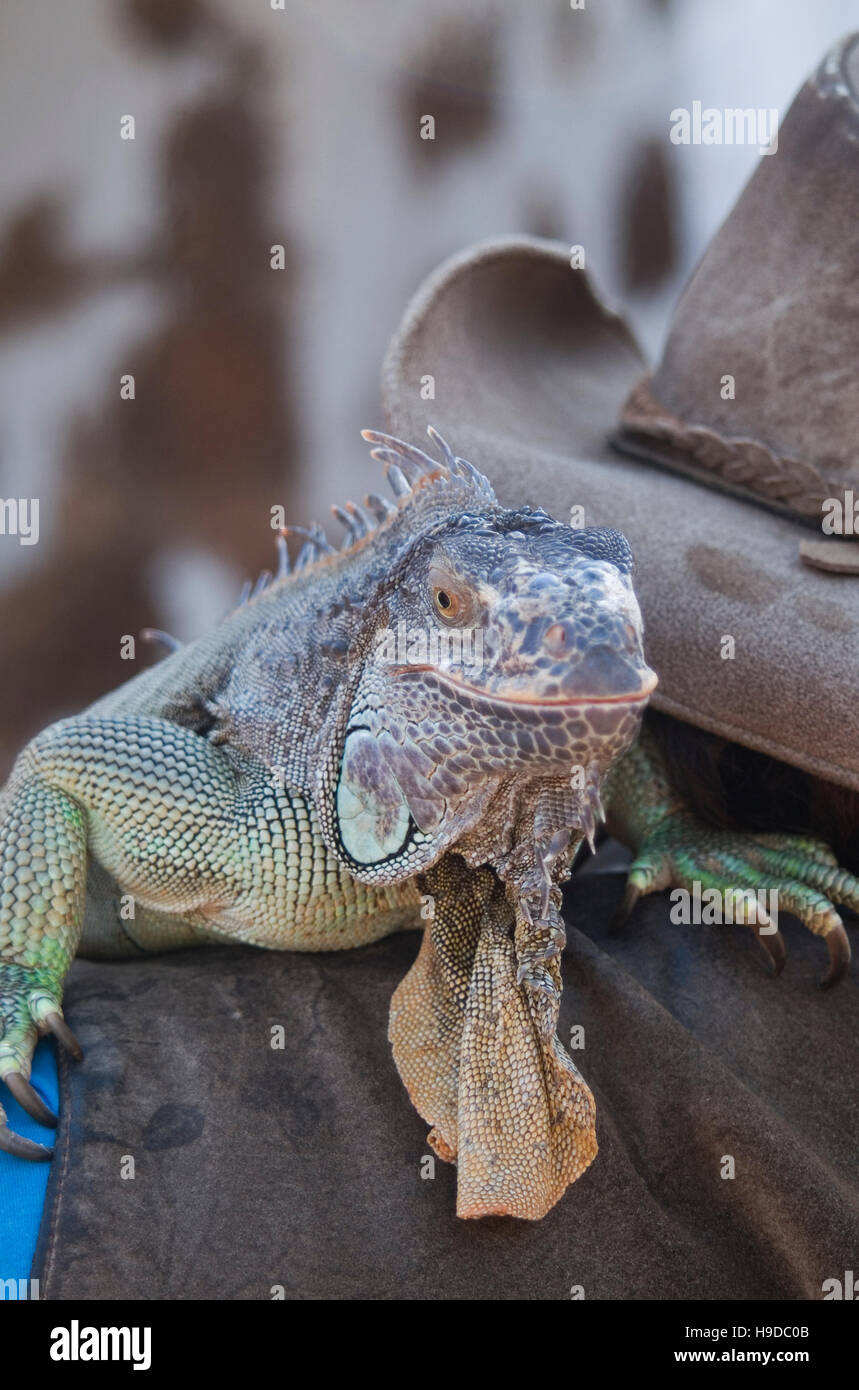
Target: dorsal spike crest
pixel 413 477
pixel 396 477
pixel 157 634
pixel 314 534
pixel 441 443
pixel 348 523
pixel 412 470
pixel 321 541
pixel 406 453
pixel 365 523
pixel 282 556
pixel 475 477
pixel 378 506
pixel 415 464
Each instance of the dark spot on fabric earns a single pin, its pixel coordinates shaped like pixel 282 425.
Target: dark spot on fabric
pixel 172 1127
pixel 731 573
pixel 824 614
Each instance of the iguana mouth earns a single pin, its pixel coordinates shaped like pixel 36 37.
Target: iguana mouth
pixel 534 701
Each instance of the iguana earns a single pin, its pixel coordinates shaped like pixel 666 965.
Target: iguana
pixel 416 730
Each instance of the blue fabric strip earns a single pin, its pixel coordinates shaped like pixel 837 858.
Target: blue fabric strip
pixel 23 1184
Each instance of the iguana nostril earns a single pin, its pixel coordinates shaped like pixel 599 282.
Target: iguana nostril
pixel 556 639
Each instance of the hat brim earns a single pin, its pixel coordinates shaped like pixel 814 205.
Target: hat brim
pixel 528 373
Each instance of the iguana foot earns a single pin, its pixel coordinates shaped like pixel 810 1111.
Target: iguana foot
pixel 29 1007
pixel 682 850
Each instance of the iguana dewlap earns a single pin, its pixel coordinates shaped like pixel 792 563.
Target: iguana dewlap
pixel 414 731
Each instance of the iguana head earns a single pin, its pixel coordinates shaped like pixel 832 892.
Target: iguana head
pixel 496 672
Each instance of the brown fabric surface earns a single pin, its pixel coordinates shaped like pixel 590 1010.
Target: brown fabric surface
pixel 530 376
pixel 301 1167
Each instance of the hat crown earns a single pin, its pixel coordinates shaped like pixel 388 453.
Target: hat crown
pixel 756 389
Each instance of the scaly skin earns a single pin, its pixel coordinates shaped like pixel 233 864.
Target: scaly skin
pixel 674 849
pixel 248 864
pixel 293 781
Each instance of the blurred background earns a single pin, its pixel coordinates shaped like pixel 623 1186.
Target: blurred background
pixel 296 124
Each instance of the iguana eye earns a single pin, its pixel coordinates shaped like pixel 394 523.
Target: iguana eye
pixel 447 604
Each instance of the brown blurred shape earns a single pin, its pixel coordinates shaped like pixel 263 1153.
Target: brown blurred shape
pixel 36 276
pixel 209 442
pixel 648 218
pixel 456 84
pixel 167 23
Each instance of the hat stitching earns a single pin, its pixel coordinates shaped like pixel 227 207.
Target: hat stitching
pixel 742 462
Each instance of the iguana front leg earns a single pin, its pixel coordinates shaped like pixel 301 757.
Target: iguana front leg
pixel 473 1033
pixel 43 867
pixel 675 849
pixel 155 803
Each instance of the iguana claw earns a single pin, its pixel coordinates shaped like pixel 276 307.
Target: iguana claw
pixel 772 943
pixel 63 1033
pixel 20 1147
pixel 774 947
pixel 29 1099
pixel 839 956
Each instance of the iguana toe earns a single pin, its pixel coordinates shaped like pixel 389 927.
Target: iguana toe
pixel 800 875
pixel 29 1005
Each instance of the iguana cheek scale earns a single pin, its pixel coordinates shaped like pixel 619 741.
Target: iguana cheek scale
pixel 289 782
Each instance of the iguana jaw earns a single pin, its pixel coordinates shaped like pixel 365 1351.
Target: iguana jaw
pixel 640 696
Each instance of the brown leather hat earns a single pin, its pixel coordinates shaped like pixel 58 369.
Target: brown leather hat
pixel 774 308
pixel 532 375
